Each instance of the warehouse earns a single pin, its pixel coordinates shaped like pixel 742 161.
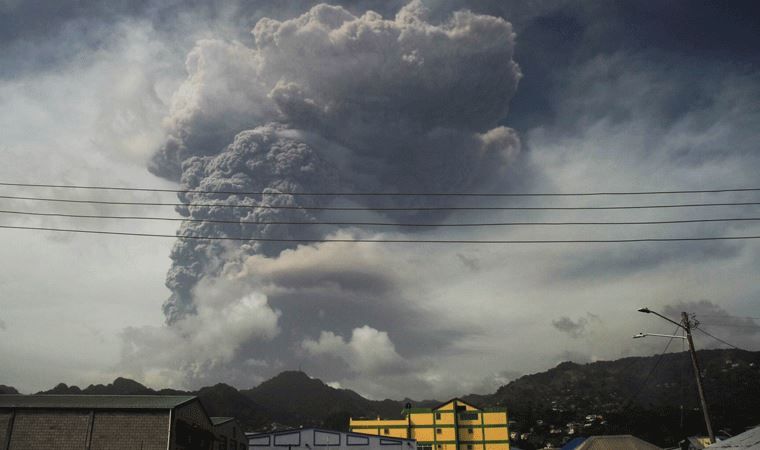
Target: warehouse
pixel 314 438
pixel 229 434
pixel 454 425
pixel 103 422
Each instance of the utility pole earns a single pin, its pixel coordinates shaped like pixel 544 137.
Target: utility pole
pixel 698 375
pixel 686 325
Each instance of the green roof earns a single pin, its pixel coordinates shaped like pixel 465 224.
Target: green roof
pixel 220 420
pixel 94 401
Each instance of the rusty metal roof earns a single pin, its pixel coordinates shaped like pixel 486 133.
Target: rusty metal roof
pixel 616 442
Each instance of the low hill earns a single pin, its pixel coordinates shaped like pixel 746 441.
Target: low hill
pixel 640 396
pixel 294 398
pixel 7 389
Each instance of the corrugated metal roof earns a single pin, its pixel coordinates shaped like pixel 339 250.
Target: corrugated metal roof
pixel 749 440
pixel 94 401
pixel 617 442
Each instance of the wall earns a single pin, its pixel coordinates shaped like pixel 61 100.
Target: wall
pixel 118 430
pixel 44 430
pixel 443 427
pixel 192 428
pixel 316 439
pixel 230 436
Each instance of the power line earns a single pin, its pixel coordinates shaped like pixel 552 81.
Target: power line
pixel 754 327
pixel 396 241
pixel 724 316
pixel 394 224
pixel 350 208
pixel 643 384
pixel 390 194
pixel 719 339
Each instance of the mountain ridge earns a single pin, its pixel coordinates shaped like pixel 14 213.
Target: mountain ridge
pixel 637 395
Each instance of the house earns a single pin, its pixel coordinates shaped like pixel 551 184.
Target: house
pixel 316 438
pixel 107 422
pixel 453 425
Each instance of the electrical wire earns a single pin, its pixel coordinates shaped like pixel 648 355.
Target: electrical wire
pixel 729 317
pixel 730 325
pixel 350 208
pixel 391 194
pixel 391 224
pixel 644 383
pixel 719 339
pixel 396 241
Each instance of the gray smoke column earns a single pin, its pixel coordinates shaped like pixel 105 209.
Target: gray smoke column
pixel 326 102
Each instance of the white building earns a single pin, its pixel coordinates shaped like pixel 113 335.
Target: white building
pixel 318 439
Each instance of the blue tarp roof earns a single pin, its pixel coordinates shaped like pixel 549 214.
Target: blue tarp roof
pixel 573 443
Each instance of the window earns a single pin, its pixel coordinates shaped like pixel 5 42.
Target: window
pixel 438 431
pixel 353 439
pixel 437 416
pixel 386 431
pixel 468 416
pixel 469 430
pixel 424 447
pixel 469 446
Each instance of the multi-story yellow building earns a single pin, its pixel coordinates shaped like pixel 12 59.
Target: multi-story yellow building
pixel 455 425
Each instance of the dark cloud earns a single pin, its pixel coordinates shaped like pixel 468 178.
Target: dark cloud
pixel 714 319
pixel 575 328
pixel 472 263
pixel 626 261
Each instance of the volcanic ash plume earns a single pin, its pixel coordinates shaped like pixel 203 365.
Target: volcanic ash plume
pixel 327 102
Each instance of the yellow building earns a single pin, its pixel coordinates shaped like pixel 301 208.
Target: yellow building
pixel 454 425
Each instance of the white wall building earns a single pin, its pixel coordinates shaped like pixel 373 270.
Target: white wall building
pixel 318 439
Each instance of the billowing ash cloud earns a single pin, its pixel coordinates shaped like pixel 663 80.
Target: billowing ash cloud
pixel 198 343
pixel 368 351
pixel 326 102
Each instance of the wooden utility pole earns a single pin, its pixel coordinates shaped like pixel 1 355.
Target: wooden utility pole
pixel 698 375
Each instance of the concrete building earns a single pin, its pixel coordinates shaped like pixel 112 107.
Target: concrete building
pixel 454 425
pixel 103 422
pixel 229 434
pixel 318 439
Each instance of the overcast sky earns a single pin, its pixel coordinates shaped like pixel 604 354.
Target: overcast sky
pixel 370 96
